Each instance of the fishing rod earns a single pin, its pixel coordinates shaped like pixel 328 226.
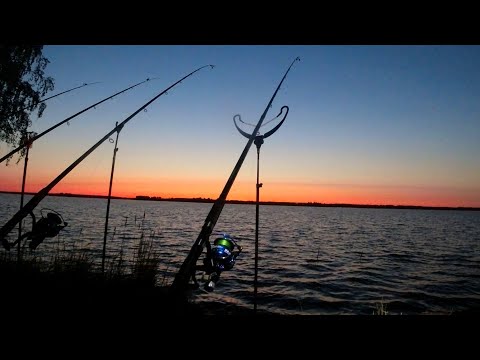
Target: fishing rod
pixel 66 91
pixel 259 140
pixel 224 252
pixel 27 140
pixel 35 200
pixel 36 137
pixel 63 92
pixel 187 269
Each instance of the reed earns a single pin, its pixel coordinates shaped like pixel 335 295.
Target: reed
pixel 142 270
pixel 146 260
pixel 381 308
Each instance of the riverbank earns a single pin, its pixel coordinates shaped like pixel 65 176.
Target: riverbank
pixel 75 292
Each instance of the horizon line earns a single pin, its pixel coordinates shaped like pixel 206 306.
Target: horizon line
pixel 285 203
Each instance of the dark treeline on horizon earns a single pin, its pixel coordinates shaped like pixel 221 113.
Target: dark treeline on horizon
pixel 251 202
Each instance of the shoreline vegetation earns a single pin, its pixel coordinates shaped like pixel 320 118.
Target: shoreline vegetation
pixel 72 284
pixel 251 202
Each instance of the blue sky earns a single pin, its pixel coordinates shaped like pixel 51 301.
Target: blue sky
pixel 398 124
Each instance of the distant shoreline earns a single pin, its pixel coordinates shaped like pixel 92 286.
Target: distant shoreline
pixel 283 203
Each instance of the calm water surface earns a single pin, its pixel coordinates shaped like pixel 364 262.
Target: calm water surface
pixel 312 261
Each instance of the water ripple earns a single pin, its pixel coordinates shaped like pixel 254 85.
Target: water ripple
pixel 312 260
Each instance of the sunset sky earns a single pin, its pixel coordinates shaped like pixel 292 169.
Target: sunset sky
pixel 395 125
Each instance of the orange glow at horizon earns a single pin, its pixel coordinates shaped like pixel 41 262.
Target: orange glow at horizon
pixel 270 191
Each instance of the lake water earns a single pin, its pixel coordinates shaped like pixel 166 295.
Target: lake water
pixel 312 260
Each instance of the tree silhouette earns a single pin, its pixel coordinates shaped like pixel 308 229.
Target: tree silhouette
pixel 22 84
